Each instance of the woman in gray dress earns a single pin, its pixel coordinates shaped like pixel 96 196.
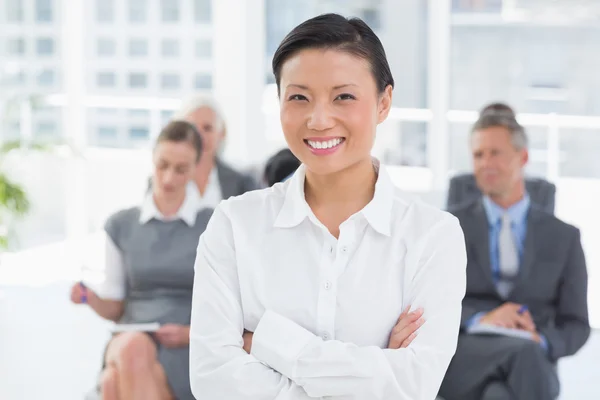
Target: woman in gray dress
pixel 150 252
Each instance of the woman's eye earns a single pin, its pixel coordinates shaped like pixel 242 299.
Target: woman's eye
pixel 296 97
pixel 345 96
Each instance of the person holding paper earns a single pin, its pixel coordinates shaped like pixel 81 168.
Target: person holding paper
pixel 150 252
pixel 332 284
pixel 526 301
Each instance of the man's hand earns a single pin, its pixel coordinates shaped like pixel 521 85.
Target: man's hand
pixel 507 316
pixel 406 328
pixel 248 341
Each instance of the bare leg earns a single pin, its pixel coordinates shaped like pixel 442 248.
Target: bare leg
pixel 140 375
pixel 110 384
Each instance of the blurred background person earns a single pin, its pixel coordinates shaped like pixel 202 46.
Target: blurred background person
pixel 526 272
pixel 150 252
pixel 280 167
pixel 215 180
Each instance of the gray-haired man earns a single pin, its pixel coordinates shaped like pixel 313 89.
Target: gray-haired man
pixel 526 271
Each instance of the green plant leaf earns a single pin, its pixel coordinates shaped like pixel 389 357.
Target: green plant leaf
pixel 7 147
pixel 13 199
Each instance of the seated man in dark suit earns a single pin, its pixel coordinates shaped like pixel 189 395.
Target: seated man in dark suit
pixel 526 271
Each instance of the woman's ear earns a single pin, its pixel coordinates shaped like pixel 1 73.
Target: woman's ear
pixel 385 104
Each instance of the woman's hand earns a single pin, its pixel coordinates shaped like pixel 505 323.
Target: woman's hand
pixel 248 341
pixel 80 293
pixel 406 328
pixel 172 336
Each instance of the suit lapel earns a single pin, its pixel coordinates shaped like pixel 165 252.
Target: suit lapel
pixel 481 240
pixel 226 181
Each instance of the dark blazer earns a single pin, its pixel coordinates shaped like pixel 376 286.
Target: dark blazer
pixel 232 182
pixel 463 189
pixel 552 279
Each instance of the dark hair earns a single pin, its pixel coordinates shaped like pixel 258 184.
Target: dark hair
pixel 498 108
pixel 280 166
pixel 332 31
pixel 180 132
pixel 504 120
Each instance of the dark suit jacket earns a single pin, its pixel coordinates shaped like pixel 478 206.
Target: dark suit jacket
pixel 463 189
pixel 552 278
pixel 232 182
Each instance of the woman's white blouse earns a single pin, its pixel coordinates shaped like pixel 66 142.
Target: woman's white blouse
pixel 322 309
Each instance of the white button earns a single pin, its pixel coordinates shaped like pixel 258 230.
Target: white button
pixel 331 249
pixel 325 336
pixel 344 249
pixel 327 285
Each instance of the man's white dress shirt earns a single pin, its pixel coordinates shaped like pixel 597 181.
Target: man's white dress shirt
pixel 112 287
pixel 322 309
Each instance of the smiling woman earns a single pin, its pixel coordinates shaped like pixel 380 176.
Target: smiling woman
pixel 333 283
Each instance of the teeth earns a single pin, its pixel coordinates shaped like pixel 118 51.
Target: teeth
pixel 325 145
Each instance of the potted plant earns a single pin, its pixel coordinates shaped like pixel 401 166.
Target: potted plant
pixel 14 202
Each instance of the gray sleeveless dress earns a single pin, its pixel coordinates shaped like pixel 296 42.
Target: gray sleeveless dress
pixel 159 258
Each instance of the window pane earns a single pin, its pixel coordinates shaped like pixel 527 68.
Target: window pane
pixel 202 11
pixel 138 114
pixel 15 47
pixel 106 47
pixel 43 10
pixel 105 10
pixel 137 133
pixel 372 18
pixel 165 116
pixel 170 48
pixel 203 81
pixel 138 80
pixel 46 78
pixel 579 153
pixel 107 132
pixel 106 79
pixel 538 65
pixel 170 10
pixel 45 129
pixel 138 48
pixel 15 77
pixel 14 10
pixel 45 46
pixel 204 49
pixel 138 10
pixel 490 6
pixel 170 81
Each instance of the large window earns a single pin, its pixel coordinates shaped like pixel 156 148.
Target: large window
pixel 139 58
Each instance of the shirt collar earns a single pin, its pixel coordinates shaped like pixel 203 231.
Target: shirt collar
pixel 187 212
pixel 517 212
pixel 377 212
